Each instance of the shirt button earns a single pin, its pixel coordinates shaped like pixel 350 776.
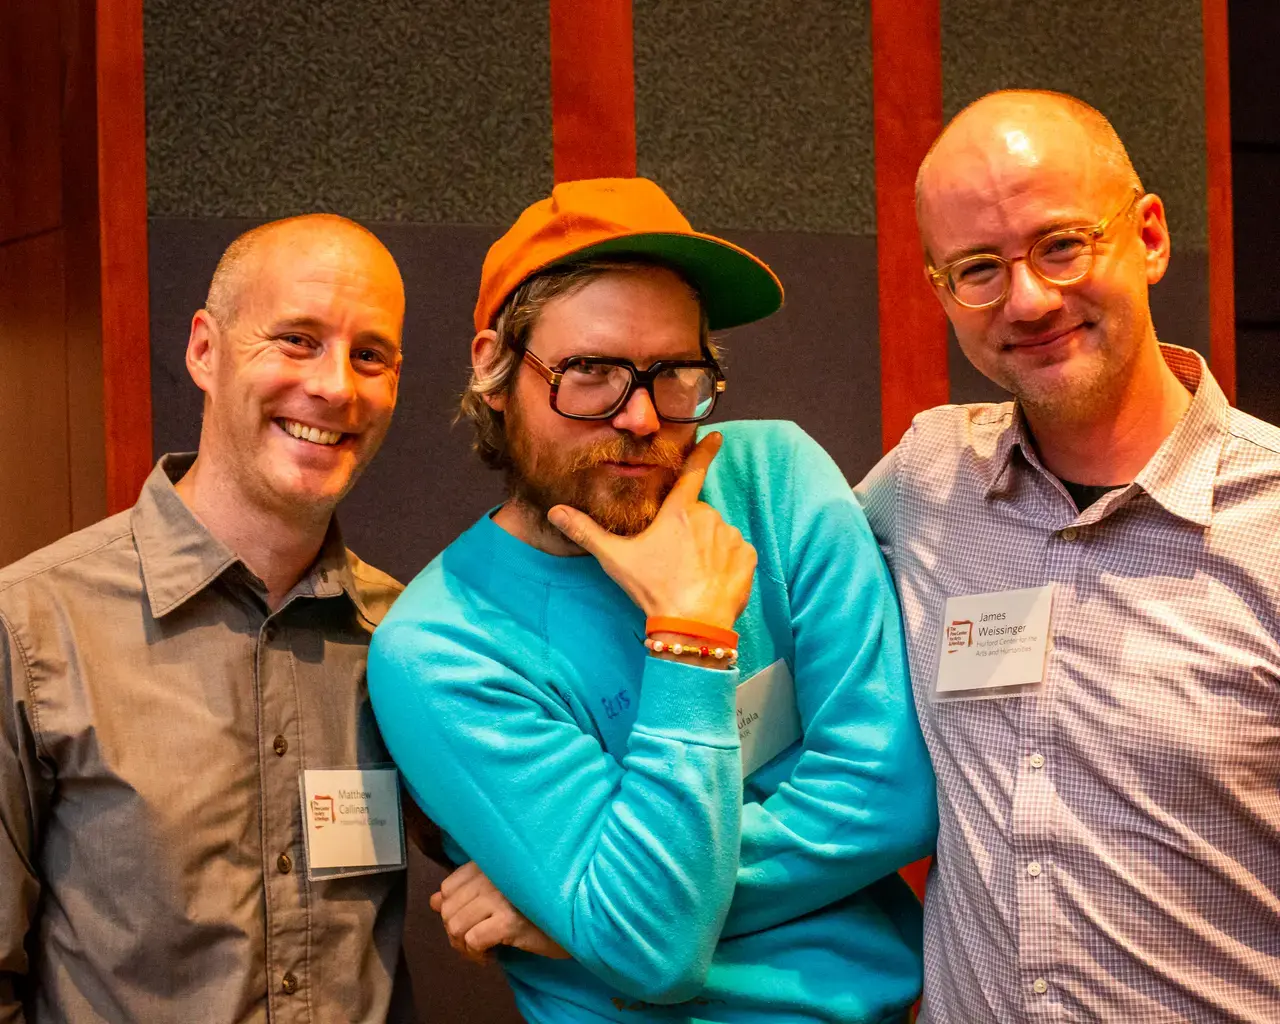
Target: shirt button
pixel 1037 760
pixel 1033 869
pixel 1040 986
pixel 284 863
pixel 290 984
pixel 281 746
pixel 269 632
pixel 1070 533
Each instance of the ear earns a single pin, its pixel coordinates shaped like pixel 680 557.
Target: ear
pixel 485 350
pixel 1154 231
pixel 202 349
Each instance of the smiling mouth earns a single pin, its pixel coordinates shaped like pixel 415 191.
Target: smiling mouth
pixel 1044 340
pixel 313 434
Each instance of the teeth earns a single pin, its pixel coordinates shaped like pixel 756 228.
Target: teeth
pixel 313 434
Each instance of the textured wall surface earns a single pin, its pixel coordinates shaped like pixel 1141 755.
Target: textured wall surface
pixel 756 114
pixel 436 112
pixel 1138 61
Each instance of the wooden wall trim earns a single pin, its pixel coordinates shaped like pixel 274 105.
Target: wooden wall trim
pixel 122 220
pixel 1217 131
pixel 906 54
pixel 593 92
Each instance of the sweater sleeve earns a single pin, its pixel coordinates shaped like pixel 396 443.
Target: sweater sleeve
pixel 630 867
pixel 859 802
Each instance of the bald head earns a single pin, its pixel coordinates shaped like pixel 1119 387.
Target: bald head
pixel 245 257
pixel 1024 131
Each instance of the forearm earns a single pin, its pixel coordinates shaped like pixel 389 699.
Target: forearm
pixel 630 867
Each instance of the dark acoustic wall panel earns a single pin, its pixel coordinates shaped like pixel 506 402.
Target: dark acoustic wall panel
pixel 757 114
pixel 438 113
pixel 815 362
pixel 1138 61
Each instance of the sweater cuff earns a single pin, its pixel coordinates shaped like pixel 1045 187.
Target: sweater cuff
pixel 688 699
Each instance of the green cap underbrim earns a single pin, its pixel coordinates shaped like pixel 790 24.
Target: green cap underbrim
pixel 735 288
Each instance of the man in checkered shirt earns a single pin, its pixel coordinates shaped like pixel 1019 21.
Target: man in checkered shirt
pixel 1110 828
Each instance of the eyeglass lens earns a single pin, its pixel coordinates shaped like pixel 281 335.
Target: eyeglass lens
pixel 596 389
pixel 1062 258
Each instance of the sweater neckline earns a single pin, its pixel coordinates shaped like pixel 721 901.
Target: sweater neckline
pixel 522 558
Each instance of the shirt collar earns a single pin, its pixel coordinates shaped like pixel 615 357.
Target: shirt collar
pixel 1180 476
pixel 180 557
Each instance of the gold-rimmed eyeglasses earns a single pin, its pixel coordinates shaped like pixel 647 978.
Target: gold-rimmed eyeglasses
pixel 1060 257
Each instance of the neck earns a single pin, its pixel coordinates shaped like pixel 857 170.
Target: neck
pixel 277 546
pixel 1110 441
pixel 526 523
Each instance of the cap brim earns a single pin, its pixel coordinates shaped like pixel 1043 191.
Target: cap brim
pixel 736 288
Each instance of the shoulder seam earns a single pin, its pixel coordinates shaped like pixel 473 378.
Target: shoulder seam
pixel 1233 432
pixel 128 532
pixel 30 687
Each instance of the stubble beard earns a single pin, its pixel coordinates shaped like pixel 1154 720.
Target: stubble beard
pixel 543 475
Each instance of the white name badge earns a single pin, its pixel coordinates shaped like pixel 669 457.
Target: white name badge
pixel 352 821
pixel 768 719
pixel 994 645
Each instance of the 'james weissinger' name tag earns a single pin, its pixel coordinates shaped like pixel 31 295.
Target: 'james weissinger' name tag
pixel 994 641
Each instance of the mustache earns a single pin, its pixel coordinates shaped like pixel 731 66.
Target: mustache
pixel 655 451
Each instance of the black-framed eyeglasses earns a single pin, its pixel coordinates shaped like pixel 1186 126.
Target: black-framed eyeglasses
pixel 1062 257
pixel 596 388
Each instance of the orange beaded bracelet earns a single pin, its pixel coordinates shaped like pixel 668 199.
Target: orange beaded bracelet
pixel 691 627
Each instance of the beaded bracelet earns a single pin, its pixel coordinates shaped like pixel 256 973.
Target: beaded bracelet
pixel 693 651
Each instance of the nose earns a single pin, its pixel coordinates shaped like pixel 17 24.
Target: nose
pixel 638 416
pixel 332 377
pixel 1030 297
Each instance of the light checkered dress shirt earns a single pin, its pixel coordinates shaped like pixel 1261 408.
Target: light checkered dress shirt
pixel 1109 847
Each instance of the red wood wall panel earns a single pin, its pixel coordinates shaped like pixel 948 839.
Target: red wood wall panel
pixel 1217 130
pixel 906 52
pixel 593 94
pixel 122 224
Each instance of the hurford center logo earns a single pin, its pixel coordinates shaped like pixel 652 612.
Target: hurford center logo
pixel 959 635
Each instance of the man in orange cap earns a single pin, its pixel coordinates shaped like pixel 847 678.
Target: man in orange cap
pixel 691 759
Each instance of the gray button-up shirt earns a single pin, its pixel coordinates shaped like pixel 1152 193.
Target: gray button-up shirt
pixel 155 718
pixel 1109 847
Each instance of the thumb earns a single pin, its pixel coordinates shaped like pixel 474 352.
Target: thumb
pixel 581 529
pixel 694 473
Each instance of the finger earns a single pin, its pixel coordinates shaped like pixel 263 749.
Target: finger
pixel 436 901
pixel 465 918
pixel 581 529
pixel 459 878
pixel 692 476
pixel 478 888
pixel 492 931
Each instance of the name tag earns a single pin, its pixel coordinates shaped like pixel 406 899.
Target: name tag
pixel 352 821
pixel 768 719
pixel 994 645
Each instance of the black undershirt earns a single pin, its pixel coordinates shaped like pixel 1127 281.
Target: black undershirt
pixel 1085 495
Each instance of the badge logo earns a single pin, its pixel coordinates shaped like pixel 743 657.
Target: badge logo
pixel 322 811
pixel 959 635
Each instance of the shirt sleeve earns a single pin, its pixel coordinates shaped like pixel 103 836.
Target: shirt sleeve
pixel 629 866
pixel 860 800
pixel 877 493
pixel 24 792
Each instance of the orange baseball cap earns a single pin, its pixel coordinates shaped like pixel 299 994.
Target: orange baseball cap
pixel 602 217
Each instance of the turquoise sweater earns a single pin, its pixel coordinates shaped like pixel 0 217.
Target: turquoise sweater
pixel 601 788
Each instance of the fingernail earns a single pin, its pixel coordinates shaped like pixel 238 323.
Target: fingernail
pixel 557 517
